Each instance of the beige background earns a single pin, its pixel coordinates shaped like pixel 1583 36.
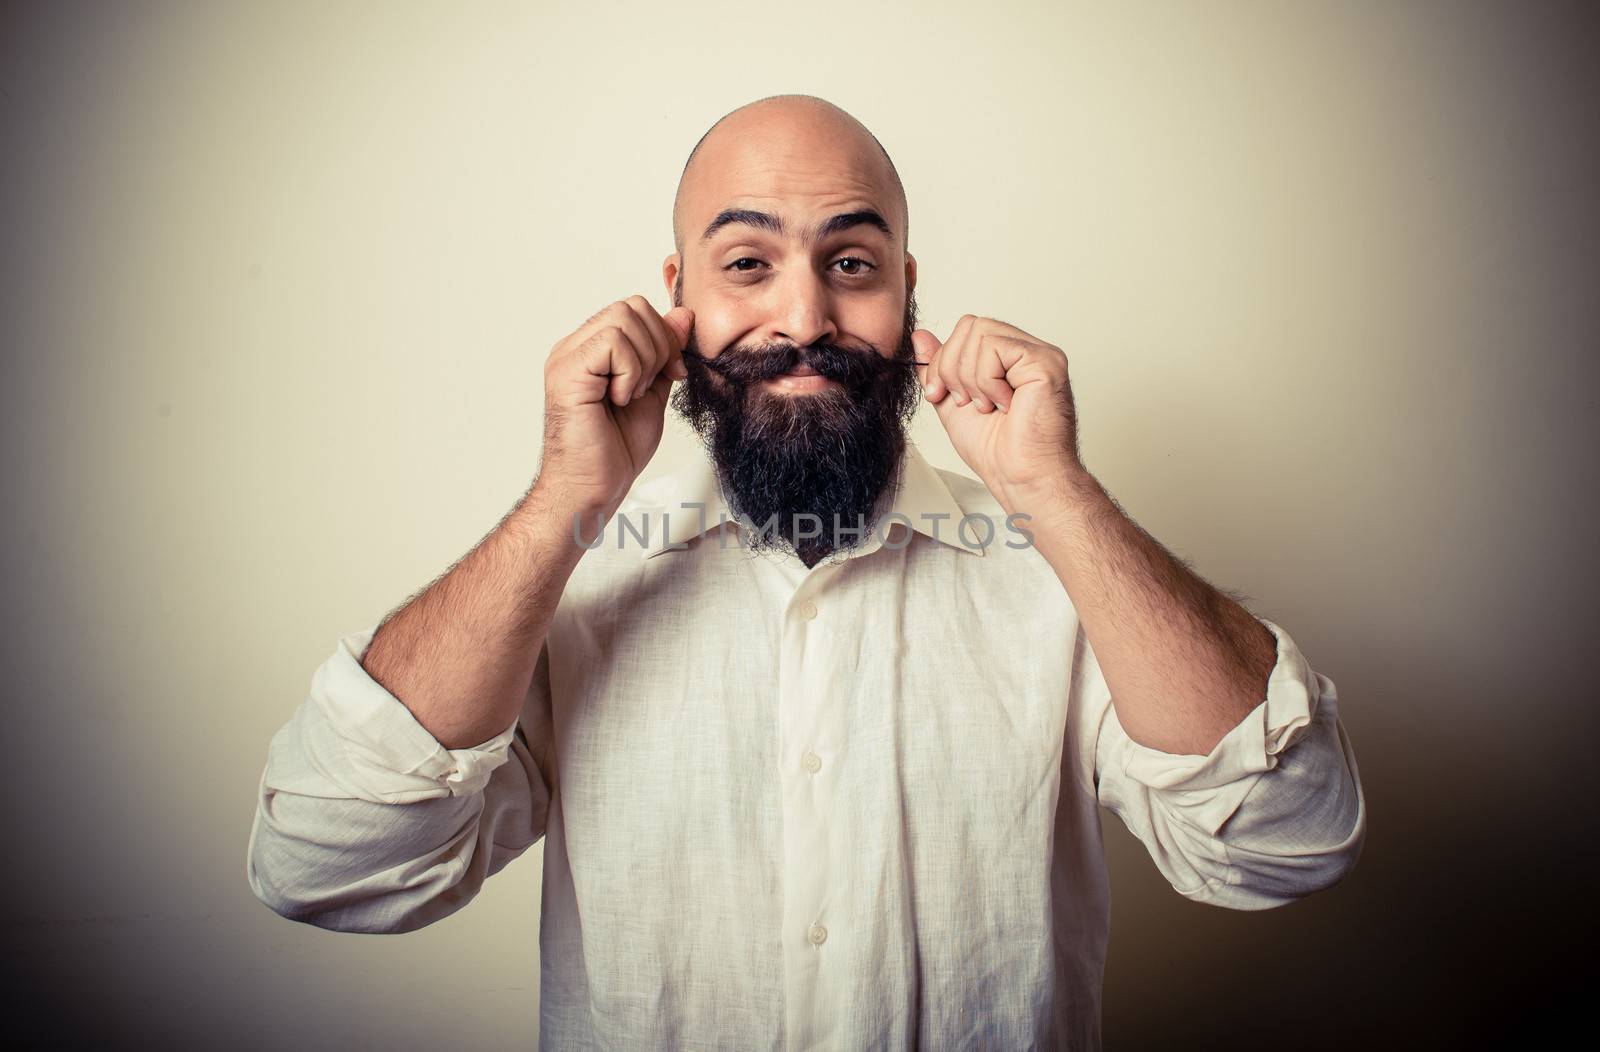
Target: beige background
pixel 278 284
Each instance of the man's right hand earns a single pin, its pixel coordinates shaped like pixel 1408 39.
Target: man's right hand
pixel 605 398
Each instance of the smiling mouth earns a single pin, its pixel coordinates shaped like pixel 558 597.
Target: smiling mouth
pixel 800 378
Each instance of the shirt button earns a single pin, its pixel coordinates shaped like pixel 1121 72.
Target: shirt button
pixel 818 934
pixel 812 761
pixel 808 610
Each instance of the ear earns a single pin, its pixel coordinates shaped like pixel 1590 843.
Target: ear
pixel 669 273
pixel 911 273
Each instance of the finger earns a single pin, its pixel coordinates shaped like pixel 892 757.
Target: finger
pixel 593 334
pixel 967 369
pixel 991 374
pixel 925 346
pixel 651 358
pixel 658 392
pixel 950 359
pixel 946 406
pixel 944 367
pixel 660 335
pixel 679 323
pixel 664 337
pixel 680 320
pixel 610 353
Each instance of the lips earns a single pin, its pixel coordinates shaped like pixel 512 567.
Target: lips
pixel 801 370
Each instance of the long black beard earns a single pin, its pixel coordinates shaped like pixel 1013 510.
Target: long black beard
pixel 798 464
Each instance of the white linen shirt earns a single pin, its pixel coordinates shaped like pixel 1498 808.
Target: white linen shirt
pixel 851 807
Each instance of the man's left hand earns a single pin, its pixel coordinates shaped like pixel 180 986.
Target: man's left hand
pixel 1004 399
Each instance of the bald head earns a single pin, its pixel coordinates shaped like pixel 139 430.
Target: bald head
pixel 794 130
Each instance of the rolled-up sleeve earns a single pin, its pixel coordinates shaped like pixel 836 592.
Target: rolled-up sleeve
pixel 1273 813
pixel 365 822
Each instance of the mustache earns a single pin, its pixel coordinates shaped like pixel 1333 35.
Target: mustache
pixel 749 365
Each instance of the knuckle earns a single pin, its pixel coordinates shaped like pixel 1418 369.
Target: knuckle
pixel 608 311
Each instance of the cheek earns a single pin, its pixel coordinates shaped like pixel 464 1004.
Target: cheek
pixel 717 323
pixel 886 336
pixel 879 320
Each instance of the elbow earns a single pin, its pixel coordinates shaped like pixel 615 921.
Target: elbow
pixel 369 907
pixel 1290 842
pixel 342 911
pixel 1302 826
pixel 288 901
pixel 1257 880
pixel 358 865
pixel 389 892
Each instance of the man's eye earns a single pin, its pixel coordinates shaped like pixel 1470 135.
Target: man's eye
pixel 858 270
pixel 853 259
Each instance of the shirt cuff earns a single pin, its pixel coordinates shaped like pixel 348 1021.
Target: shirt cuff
pixel 1209 789
pixel 392 755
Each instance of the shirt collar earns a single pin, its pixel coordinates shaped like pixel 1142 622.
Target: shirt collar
pixel 922 500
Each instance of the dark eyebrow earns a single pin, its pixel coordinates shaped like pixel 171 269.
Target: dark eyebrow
pixel 771 223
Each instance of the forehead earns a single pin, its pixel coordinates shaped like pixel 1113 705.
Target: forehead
pixel 796 172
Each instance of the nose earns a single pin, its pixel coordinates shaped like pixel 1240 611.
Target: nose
pixel 804 314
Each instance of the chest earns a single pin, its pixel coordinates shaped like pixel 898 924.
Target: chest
pixel 926 683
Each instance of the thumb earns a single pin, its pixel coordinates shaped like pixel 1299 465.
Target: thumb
pixel 926 345
pixel 680 320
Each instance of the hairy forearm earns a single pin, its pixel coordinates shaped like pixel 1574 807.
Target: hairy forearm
pixel 1184 662
pixel 461 654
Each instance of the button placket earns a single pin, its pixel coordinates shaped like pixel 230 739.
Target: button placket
pixel 809 708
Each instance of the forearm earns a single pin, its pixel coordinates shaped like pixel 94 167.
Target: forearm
pixel 1184 663
pixel 461 655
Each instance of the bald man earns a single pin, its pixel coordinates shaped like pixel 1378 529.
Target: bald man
pixel 815 734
